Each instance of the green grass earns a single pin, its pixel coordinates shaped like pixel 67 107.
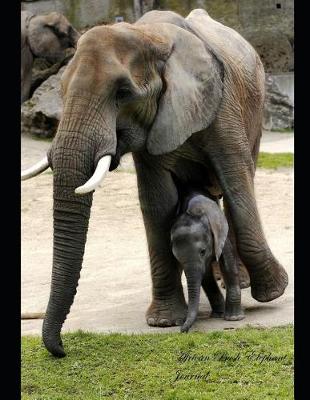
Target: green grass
pixel 41 138
pixel 118 366
pixel 284 130
pixel 275 160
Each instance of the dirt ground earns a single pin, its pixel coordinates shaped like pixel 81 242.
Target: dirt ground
pixel 115 285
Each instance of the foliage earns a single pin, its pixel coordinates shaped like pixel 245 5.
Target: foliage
pixel 275 160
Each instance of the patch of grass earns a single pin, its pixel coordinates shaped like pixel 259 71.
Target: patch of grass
pixel 284 130
pixel 219 365
pixel 42 139
pixel 275 160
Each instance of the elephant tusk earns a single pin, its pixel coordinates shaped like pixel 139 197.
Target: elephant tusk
pixel 101 169
pixel 35 169
pixel 34 315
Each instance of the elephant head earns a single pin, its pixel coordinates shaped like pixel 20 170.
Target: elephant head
pixel 198 237
pixel 50 35
pixel 127 88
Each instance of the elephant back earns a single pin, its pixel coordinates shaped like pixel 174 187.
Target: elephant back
pixel 225 43
pixel 243 75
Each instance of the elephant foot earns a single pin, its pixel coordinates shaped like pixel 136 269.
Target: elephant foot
pixel 244 277
pixel 233 312
pixel 166 313
pixel 218 309
pixel 217 314
pixel 268 283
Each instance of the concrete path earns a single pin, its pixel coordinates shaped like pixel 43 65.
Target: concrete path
pixel 277 142
pixel 115 287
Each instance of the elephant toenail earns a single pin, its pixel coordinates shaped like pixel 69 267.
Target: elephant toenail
pixel 151 321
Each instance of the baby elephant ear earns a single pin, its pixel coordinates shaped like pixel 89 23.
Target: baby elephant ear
pixel 193 91
pixel 218 225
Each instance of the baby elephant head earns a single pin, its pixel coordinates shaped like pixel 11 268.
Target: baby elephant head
pixel 198 237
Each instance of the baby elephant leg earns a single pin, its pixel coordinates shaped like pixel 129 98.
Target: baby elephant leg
pixel 214 294
pixel 229 268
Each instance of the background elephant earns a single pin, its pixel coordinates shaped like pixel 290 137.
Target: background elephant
pixel 47 36
pixel 199 236
pixel 185 96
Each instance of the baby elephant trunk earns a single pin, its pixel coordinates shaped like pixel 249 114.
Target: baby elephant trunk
pixel 194 278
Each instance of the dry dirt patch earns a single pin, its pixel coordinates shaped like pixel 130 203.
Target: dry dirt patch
pixel 115 285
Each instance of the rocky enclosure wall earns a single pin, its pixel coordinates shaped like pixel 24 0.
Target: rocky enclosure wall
pixel 84 13
pixel 286 84
pixel 267 24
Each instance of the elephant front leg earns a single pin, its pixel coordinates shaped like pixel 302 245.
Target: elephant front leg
pixel 230 157
pixel 158 199
pixel 229 268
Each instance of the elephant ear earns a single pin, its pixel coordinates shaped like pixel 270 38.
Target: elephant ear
pixel 219 226
pixel 193 91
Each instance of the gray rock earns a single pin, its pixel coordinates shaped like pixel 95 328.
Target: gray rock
pixel 40 115
pixel 279 109
pixel 274 48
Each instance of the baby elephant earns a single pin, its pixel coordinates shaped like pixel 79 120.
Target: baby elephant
pixel 199 237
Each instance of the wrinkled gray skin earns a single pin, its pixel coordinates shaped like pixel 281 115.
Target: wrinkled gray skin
pixel 185 96
pixel 45 36
pixel 199 237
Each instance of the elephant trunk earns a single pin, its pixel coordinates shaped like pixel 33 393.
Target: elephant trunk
pixel 79 144
pixel 194 278
pixel 70 230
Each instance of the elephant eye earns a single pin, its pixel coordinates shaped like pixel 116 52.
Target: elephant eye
pixel 59 34
pixel 203 252
pixel 123 94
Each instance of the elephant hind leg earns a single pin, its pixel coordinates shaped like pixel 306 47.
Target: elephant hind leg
pixel 244 277
pixel 228 151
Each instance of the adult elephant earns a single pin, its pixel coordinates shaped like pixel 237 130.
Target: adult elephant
pixel 45 36
pixel 185 96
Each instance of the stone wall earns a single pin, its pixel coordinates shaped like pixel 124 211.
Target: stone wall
pixel 285 83
pixel 279 102
pixel 270 29
pixel 84 13
pixel 267 24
